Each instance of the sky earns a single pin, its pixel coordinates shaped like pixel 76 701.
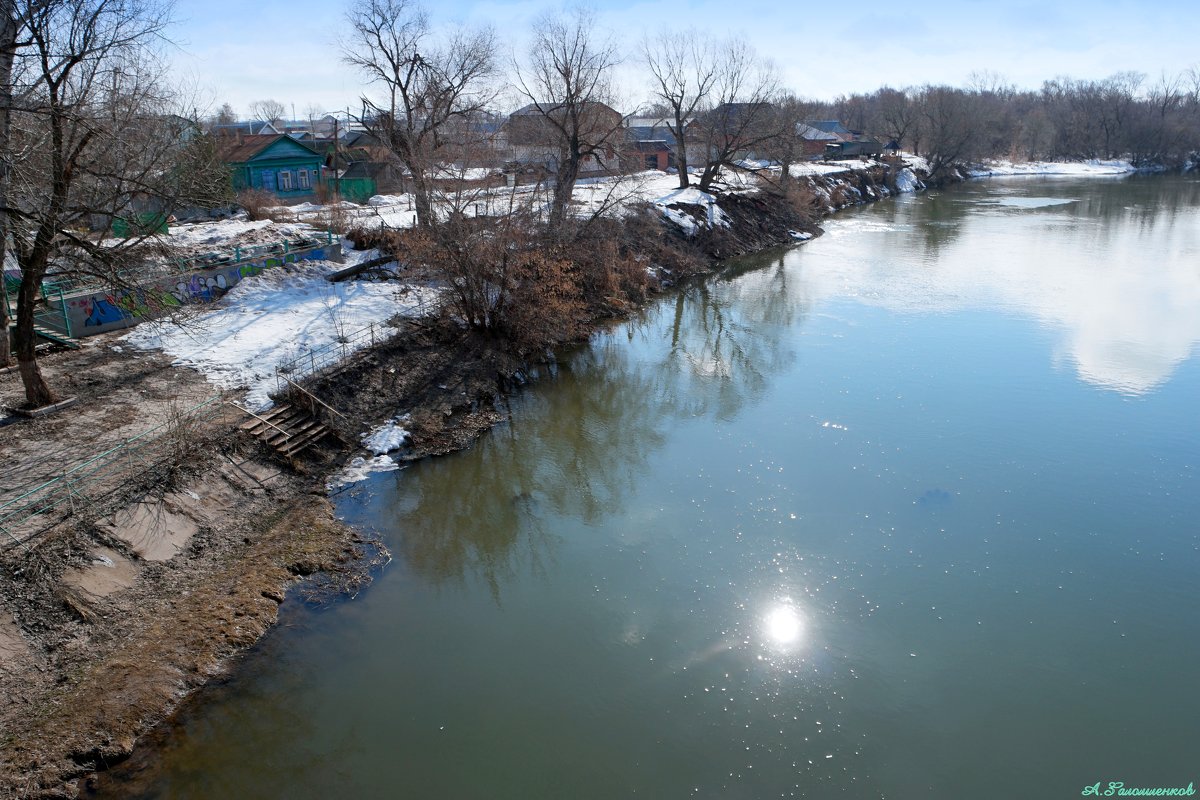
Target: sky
pixel 288 50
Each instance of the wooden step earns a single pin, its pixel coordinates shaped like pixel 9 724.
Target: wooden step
pixel 271 416
pixel 278 438
pixel 277 424
pixel 286 429
pixel 301 442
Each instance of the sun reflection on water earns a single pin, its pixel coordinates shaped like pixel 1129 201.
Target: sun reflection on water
pixel 783 624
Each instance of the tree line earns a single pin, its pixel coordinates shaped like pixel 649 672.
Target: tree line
pixel 1126 115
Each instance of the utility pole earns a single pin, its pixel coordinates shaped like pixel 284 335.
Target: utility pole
pixel 336 188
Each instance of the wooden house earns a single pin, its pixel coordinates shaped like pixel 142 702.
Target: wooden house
pixel 275 163
pixel 534 139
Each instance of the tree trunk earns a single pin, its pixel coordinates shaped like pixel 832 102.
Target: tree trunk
pixel 8 36
pixel 422 199
pixel 681 159
pixel 564 185
pixel 37 391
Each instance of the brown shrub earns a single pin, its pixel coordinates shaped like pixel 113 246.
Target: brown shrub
pixel 503 278
pixel 804 200
pixel 256 202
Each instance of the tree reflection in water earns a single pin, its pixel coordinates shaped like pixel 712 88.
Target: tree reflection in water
pixel 579 443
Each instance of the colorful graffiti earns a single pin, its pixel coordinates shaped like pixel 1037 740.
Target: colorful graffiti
pixel 101 311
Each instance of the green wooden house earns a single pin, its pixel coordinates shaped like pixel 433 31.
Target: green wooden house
pixel 274 163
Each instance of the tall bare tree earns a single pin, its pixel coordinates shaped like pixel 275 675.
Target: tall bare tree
pixel 567 81
pixel 225 115
pixel 684 66
pixel 786 147
pixel 951 129
pixel 88 118
pixel 742 116
pixel 427 84
pixel 8 50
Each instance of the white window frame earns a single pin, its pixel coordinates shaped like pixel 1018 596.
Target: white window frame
pixel 285 180
pixel 303 181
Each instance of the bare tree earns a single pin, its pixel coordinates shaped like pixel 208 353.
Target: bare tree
pixel 268 110
pixel 898 117
pixel 96 146
pixel 567 83
pixel 950 127
pixel 786 146
pixel 225 115
pixel 684 66
pixel 8 50
pixel 742 117
pixel 426 85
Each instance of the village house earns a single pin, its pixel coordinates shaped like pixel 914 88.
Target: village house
pixel 651 144
pixel 274 163
pixel 533 139
pixel 249 127
pixel 837 142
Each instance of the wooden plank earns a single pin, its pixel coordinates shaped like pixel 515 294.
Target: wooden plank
pixel 274 439
pixel 256 416
pixel 303 442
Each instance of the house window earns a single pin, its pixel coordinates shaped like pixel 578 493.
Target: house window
pixel 303 176
pixel 285 181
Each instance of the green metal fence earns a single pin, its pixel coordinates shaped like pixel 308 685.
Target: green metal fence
pixel 51 311
pixel 179 266
pixel 88 485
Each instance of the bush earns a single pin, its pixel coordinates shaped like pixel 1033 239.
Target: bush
pixel 256 202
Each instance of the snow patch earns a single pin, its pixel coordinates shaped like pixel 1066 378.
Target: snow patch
pixel 359 469
pixel 715 216
pixel 1093 167
pixel 274 317
pixel 386 438
pixel 907 182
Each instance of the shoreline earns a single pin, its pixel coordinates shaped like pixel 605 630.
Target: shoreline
pixel 449 417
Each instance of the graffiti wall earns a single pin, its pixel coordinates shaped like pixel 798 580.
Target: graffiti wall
pixel 97 312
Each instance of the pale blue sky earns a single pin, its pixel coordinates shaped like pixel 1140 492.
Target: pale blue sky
pixel 287 50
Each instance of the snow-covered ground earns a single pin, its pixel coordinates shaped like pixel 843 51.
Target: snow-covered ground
pixel 1088 168
pixel 274 317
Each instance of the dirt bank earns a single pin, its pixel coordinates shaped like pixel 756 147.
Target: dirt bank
pixel 108 621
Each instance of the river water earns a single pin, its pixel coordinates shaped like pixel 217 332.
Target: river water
pixel 910 511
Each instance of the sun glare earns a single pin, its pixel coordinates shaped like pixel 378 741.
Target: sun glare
pixel 783 625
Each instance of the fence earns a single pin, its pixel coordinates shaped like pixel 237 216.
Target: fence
pixel 50 313
pixel 319 358
pixel 104 477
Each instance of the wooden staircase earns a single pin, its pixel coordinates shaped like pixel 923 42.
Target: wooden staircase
pixel 287 429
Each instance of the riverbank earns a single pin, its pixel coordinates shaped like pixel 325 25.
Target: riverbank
pixel 86 605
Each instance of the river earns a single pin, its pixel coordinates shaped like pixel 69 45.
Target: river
pixel 910 511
